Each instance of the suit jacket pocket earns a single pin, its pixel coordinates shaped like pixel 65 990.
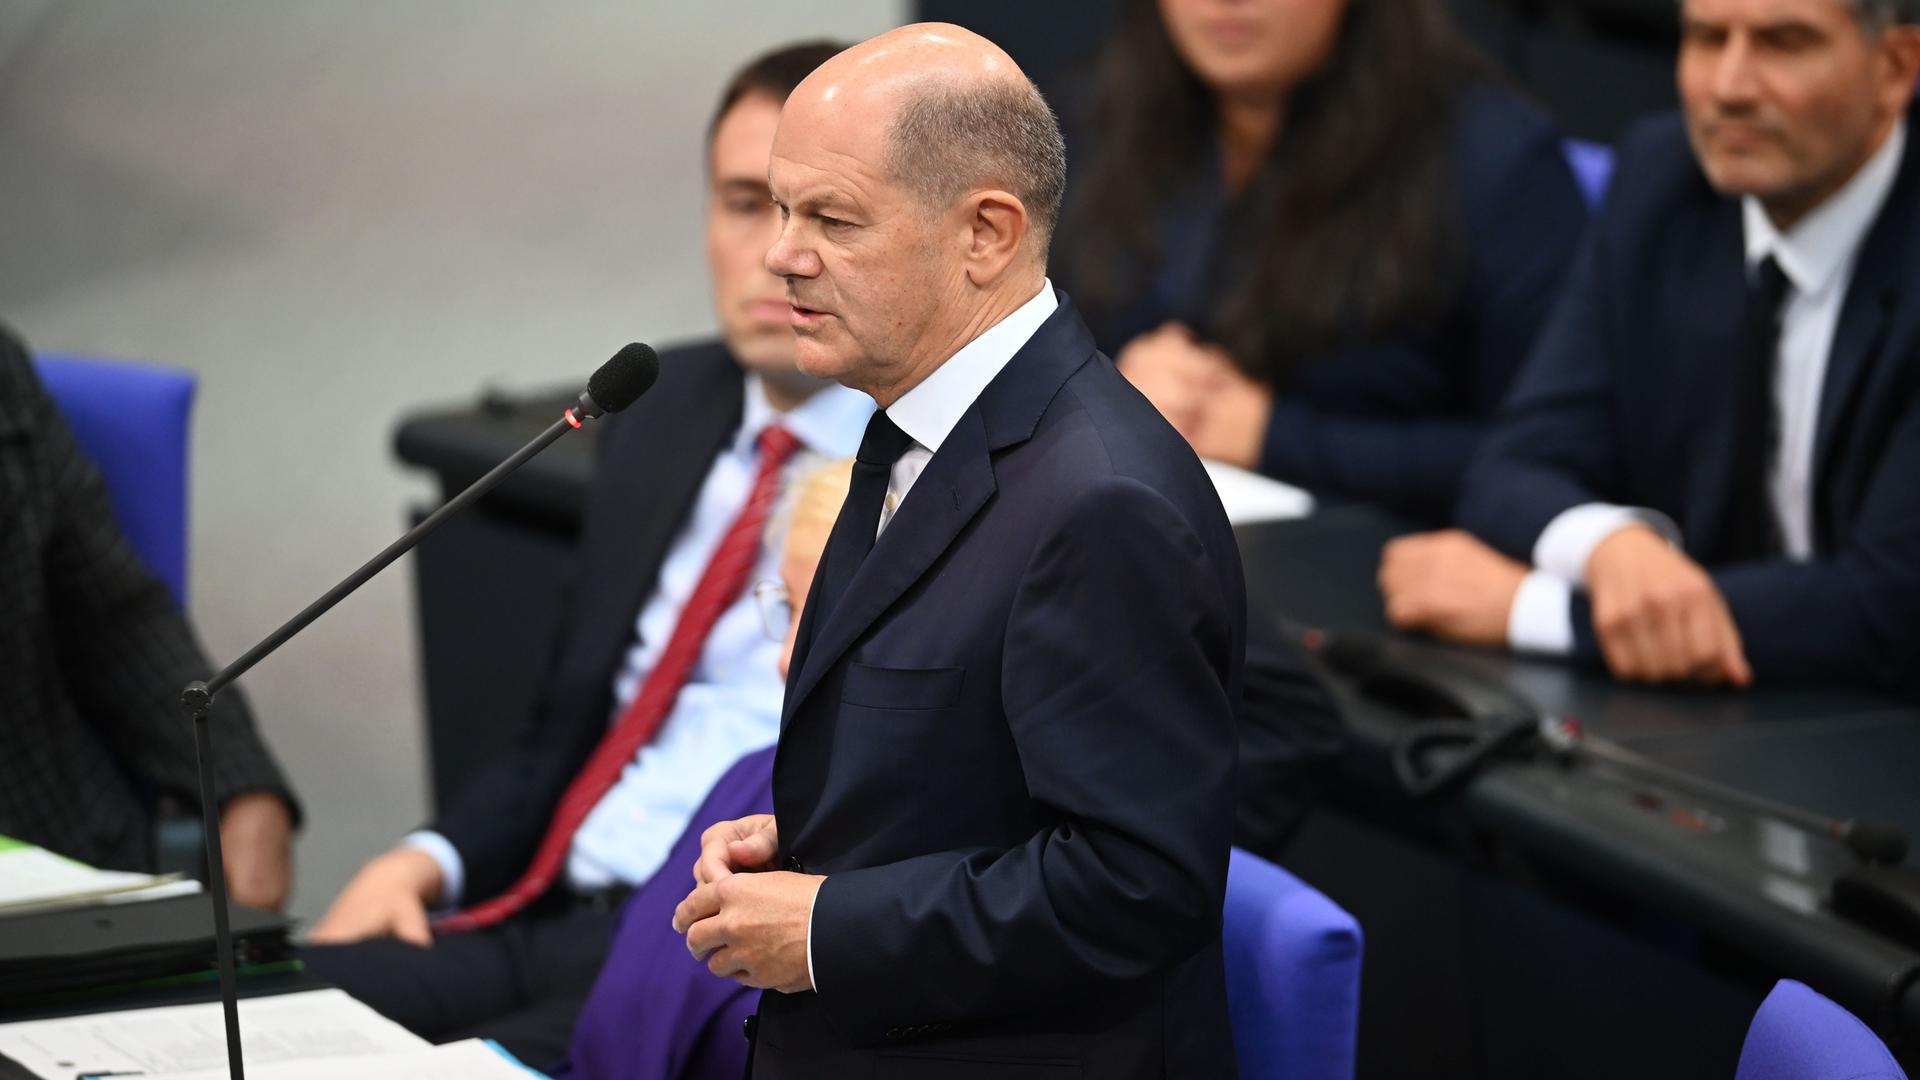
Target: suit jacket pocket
pixel 902 688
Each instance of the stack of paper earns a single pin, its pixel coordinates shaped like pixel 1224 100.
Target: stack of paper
pixel 34 879
pixel 320 1035
pixel 469 1060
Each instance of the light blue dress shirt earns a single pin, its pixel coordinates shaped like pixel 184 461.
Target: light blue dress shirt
pixel 731 703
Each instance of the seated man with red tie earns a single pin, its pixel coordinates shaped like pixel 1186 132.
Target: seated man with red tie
pixel 664 674
pixel 1709 460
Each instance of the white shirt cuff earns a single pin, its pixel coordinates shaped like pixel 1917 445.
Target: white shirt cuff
pixel 453 871
pixel 1568 541
pixel 814 904
pixel 1541 619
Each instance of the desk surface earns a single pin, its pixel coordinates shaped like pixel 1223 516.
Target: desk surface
pixel 1759 883
pixel 1837 751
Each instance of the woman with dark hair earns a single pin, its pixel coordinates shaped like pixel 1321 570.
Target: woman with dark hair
pixel 1318 235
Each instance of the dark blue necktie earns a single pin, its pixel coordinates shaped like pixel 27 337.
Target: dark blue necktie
pixel 859 521
pixel 1753 530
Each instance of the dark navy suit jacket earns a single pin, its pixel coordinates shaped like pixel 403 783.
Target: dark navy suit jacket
pixel 1394 421
pixel 1627 400
pixel 1010 748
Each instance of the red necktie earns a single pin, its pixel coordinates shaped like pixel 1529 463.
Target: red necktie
pixel 722 583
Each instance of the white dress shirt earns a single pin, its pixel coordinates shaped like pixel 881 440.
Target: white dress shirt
pixel 730 705
pixel 928 412
pixel 1817 256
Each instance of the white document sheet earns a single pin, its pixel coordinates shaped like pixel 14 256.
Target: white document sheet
pixel 1250 497
pixel 183 1038
pixel 468 1060
pixel 34 879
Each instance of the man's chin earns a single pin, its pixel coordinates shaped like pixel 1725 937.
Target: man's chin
pixel 1742 173
pixel 818 361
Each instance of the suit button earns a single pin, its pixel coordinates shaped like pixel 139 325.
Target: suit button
pixel 893 1033
pixel 794 864
pixel 750 1024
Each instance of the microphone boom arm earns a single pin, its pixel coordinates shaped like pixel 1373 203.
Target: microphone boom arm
pixel 198 697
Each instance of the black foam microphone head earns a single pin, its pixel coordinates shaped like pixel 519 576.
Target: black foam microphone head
pixel 621 380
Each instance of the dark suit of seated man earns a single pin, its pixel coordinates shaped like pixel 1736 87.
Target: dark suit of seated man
pixel 1710 458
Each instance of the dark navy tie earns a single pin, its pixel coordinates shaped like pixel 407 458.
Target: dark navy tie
pixel 859 521
pixel 1753 529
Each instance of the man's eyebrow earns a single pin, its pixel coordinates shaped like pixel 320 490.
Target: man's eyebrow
pixel 746 184
pixel 826 198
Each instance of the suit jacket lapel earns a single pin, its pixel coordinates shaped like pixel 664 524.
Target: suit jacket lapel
pixel 1716 345
pixel 1863 314
pixel 957 483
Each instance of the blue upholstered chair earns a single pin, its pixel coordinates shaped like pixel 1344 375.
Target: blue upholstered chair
pixel 1293 975
pixel 1800 1035
pixel 1592 165
pixel 131 419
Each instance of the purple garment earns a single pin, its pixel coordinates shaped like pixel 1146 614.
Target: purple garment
pixel 655 1013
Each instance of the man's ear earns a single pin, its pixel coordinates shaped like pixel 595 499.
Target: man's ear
pixel 997 224
pixel 1901 47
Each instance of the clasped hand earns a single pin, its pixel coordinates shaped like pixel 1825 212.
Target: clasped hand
pixel 746 920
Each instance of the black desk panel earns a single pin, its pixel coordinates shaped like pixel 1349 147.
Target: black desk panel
pixel 1753 885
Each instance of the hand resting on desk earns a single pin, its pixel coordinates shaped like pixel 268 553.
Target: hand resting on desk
pixel 1656 613
pixel 387 898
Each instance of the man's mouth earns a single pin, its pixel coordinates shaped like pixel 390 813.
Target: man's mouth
pixel 804 318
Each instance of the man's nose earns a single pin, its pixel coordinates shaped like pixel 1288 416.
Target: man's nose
pixel 1735 81
pixel 789 258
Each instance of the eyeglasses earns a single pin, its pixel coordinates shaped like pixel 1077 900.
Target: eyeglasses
pixel 776 608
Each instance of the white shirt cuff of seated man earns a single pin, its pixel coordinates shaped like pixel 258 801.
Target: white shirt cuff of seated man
pixel 453 870
pixel 1567 543
pixel 1541 619
pixel 814 903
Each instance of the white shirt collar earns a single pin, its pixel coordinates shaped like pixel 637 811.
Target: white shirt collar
pixel 928 412
pixel 829 423
pixel 1813 253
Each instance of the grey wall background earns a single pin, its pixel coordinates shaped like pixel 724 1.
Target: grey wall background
pixel 333 213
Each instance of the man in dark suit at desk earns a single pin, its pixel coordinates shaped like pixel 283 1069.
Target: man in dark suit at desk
pixel 664 673
pixel 1004 786
pixel 1710 460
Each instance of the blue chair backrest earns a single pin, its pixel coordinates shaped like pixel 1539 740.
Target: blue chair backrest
pixel 1293 975
pixel 1800 1035
pixel 132 420
pixel 1592 165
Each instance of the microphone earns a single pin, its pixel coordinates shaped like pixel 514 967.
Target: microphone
pixel 617 384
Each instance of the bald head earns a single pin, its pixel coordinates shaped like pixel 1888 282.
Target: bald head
pixel 957 115
pixel 918 177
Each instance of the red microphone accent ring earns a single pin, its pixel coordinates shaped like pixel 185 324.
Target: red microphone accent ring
pixel 572 419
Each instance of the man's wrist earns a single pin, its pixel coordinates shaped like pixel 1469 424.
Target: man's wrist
pixel 1567 545
pixel 1541 619
pixel 813 906
pixel 444 886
